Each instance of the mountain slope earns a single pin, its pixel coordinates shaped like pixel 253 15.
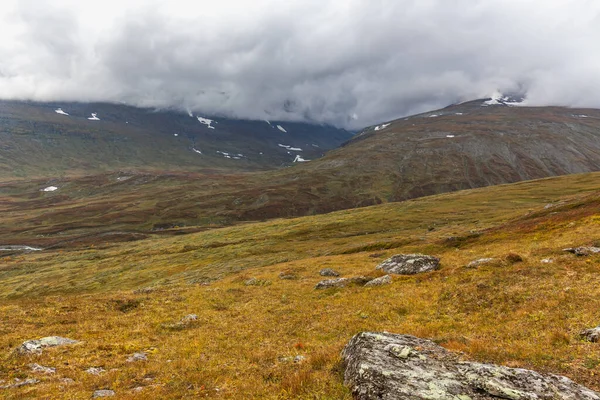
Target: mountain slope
pixel 54 140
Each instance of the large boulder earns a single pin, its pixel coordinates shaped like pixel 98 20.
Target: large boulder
pixel 386 366
pixel 409 264
pixel 36 346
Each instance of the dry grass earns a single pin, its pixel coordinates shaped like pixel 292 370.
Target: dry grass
pixel 516 312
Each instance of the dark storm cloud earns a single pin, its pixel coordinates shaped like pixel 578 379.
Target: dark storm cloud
pixel 351 63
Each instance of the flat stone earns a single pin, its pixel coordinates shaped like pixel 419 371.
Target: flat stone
pixel 583 250
pixel 42 369
pixel 479 262
pixel 385 366
pixel 103 393
pixel 36 346
pixel 342 282
pixel 409 264
pixel 137 357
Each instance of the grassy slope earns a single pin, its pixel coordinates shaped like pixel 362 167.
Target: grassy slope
pixel 523 314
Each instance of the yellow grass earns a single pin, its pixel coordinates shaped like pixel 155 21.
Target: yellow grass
pixel 525 314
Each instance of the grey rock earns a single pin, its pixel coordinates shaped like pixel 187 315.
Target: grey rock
pixel 409 264
pixel 36 346
pixel 591 335
pixel 342 282
pixel 19 383
pixel 479 262
pixel 189 318
pixel 42 369
pixel 296 359
pixel 287 276
pixel 583 250
pixel 547 261
pixel 257 282
pixel 95 370
pixel 328 272
pixel 386 366
pixel 382 280
pixel 137 357
pixel 103 393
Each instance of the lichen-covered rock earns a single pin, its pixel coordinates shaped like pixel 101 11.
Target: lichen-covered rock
pixel 95 370
pixel 583 251
pixel 19 383
pixel 382 280
pixel 409 264
pixel 342 282
pixel 479 262
pixel 386 366
pixel 36 346
pixel 328 272
pixel 591 335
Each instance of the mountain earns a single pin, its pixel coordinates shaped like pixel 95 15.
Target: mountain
pixel 475 144
pixel 66 139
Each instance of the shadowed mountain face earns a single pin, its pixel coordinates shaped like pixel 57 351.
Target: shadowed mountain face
pixel 474 144
pixel 61 139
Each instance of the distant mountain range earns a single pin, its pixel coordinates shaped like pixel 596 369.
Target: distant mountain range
pixel 469 145
pixel 66 139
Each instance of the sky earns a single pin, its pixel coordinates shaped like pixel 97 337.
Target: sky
pixel 349 63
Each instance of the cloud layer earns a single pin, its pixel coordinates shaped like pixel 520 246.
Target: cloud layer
pixel 350 63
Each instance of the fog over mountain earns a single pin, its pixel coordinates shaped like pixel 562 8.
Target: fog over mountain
pixel 350 63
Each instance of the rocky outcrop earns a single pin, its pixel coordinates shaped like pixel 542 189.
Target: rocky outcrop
pixel 591 335
pixel 37 346
pixel 382 280
pixel 386 366
pixel 342 282
pixel 328 272
pixel 409 264
pixel 583 251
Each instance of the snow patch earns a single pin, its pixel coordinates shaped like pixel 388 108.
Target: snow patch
pixel 300 159
pixel 459 114
pixel 581 115
pixel 494 100
pixel 206 122
pixel 49 189
pixel 380 127
pixel 314 145
pixel 18 247
pixel 268 122
pixel 281 128
pixel 176 134
pixel 285 146
pixel 94 117
pixel 196 150
pixel 434 115
pixel 449 136
pixel 231 155
pixel 190 114
pixel 60 111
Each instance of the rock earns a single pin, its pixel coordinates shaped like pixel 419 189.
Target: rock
pixel 95 370
pixel 583 251
pixel 137 357
pixel 481 261
pixel 36 346
pixel 19 383
pixel 382 280
pixel 591 335
pixel 409 264
pixel 67 381
pixel 287 276
pixel 103 393
pixel 342 282
pixel 42 369
pixel 295 360
pixel 257 282
pixel 328 272
pixel 189 318
pixel 388 366
pixel 547 261
pixel 146 290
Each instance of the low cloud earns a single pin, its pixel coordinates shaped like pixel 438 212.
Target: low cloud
pixel 350 63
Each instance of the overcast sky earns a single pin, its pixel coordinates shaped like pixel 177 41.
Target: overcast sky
pixel 351 63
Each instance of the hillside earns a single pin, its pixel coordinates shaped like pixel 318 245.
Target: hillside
pixel 524 310
pixel 71 139
pixel 475 144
